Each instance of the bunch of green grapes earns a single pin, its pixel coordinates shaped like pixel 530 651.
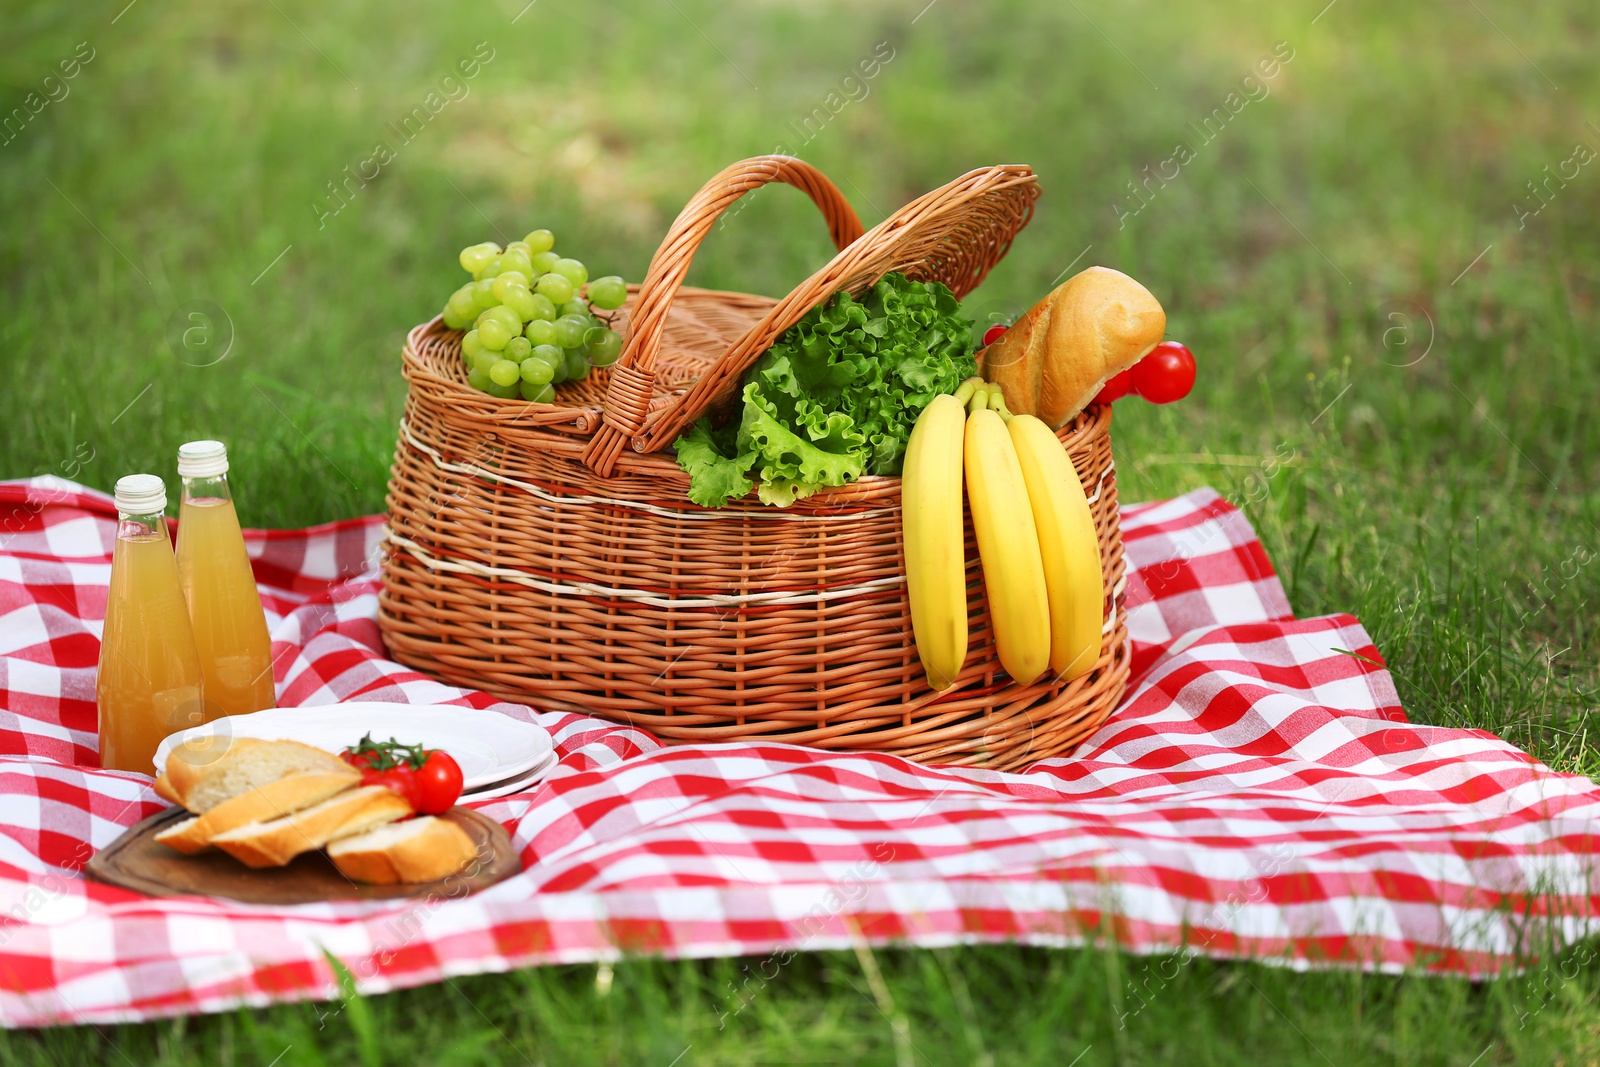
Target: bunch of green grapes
pixel 528 329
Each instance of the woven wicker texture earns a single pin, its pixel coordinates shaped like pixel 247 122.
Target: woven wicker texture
pixel 514 567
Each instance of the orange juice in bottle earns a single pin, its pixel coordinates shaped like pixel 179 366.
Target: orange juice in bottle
pixel 230 628
pixel 149 683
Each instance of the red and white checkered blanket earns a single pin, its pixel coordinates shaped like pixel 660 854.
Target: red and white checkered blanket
pixel 1260 792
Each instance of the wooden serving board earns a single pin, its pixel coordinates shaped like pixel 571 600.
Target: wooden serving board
pixel 137 861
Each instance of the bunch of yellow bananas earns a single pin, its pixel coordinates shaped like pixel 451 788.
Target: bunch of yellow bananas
pixel 1036 538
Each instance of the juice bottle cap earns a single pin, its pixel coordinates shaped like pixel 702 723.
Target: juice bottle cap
pixel 202 459
pixel 141 494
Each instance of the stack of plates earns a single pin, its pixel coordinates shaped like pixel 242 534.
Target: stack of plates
pixel 498 754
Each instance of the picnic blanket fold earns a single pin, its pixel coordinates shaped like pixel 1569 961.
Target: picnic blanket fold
pixel 1260 792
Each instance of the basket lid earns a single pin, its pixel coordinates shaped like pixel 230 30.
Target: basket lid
pixel 955 235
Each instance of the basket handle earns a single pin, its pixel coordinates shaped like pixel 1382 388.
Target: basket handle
pixel 627 402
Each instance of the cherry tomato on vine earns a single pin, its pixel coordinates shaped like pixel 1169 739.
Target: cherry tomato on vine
pixel 1115 388
pixel 994 333
pixel 438 784
pixel 401 779
pixel 429 780
pixel 1166 374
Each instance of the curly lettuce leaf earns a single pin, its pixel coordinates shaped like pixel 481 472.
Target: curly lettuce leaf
pixel 835 396
pixel 714 478
pixel 794 459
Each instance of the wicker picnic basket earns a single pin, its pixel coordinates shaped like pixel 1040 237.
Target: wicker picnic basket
pixel 548 553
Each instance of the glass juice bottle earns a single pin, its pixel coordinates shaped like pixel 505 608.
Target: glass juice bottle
pixel 149 683
pixel 230 628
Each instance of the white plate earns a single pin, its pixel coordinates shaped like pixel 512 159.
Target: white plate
pixel 491 748
pixel 520 784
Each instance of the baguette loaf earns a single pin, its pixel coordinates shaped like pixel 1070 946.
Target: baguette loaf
pixel 203 774
pixel 424 849
pixel 271 801
pixel 1054 359
pixel 275 843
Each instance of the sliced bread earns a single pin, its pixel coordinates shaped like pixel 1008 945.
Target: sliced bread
pixel 271 801
pixel 276 842
pixel 164 790
pixel 208 772
pixel 423 849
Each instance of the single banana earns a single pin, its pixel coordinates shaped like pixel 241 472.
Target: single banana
pixel 1008 544
pixel 1068 544
pixel 934 536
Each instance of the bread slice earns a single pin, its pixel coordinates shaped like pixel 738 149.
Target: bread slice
pixel 274 843
pixel 164 790
pixel 271 801
pixel 216 769
pixel 424 849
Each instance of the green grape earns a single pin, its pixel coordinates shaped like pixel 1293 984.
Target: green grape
pixel 576 306
pixel 544 262
pixel 577 364
pixel 506 315
pixel 573 327
pixel 517 261
pixel 479 380
pixel 505 372
pixel 542 331
pixel 544 308
pixel 519 246
pixel 520 300
pixel 603 350
pixel 474 258
pixel 486 359
pixel 504 392
pixel 483 294
pixel 518 348
pixel 470 344
pixel 550 354
pixel 572 270
pixel 540 241
pixel 451 320
pixel 537 394
pixel 608 292
pixel 490 271
pixel 507 279
pixel 463 302
pixel 561 371
pixel 537 371
pixel 557 287
pixel 570 330
pixel 493 334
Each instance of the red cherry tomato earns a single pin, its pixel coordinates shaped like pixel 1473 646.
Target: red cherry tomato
pixel 994 333
pixel 430 780
pixel 1115 388
pixel 401 779
pixel 438 784
pixel 1166 374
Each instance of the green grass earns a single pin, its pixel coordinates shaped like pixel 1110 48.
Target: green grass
pixel 1431 411
pixel 989 1005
